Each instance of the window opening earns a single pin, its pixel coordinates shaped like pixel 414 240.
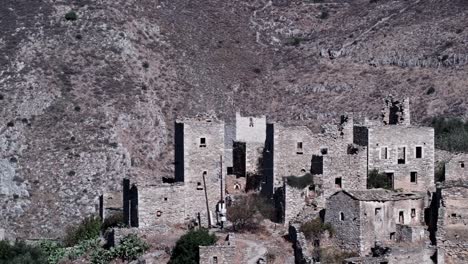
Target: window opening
pixel 401 217
pixel 299 149
pixel 401 155
pixel 414 177
pixel 418 152
pixel 338 182
pixel 384 153
pixel 413 212
pixel 202 142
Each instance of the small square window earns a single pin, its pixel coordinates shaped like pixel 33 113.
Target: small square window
pixel 202 142
pixel 324 151
pixel 414 177
pixel 199 186
pixel 462 165
pixel 418 152
pixel 165 198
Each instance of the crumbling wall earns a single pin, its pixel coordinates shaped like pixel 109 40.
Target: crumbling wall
pixel 400 144
pixel 217 254
pixel 164 204
pixel 379 220
pixel 111 203
pixel 396 112
pixel 452 230
pixel 294 201
pixel 457 168
pixel 411 234
pixel 301 249
pixel 343 213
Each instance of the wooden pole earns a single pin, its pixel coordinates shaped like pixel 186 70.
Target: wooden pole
pixel 207 204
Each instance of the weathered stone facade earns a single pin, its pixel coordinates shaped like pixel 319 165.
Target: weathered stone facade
pixel 405 153
pixel 302 253
pixel 362 218
pixel 252 131
pixel 221 253
pixel 163 204
pixel 452 230
pixel 330 156
pixel 457 168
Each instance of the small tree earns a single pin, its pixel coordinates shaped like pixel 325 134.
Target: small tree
pixel 186 248
pixel 242 213
pixel 378 180
pixel 89 228
pixel 315 228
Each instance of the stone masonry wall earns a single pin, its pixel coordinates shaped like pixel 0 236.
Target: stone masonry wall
pixel 202 158
pixel 457 168
pixel 301 249
pixel 348 230
pixel 379 220
pixel 452 231
pixel 295 200
pixel 217 254
pixel 252 131
pixel 164 204
pixel 394 138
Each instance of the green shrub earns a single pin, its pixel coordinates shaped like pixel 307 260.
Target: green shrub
pixel 88 229
pixel 71 16
pixel 315 228
pixel 378 180
pixel 113 220
pixel 451 134
pixel 186 248
pixel 21 253
pixel 130 248
pixel 300 182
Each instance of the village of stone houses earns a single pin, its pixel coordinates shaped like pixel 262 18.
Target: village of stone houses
pixel 257 191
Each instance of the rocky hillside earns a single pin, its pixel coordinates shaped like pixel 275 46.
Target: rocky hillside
pixel 88 100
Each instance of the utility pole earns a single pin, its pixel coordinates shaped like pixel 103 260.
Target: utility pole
pixel 206 199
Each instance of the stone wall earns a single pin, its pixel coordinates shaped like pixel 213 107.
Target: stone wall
pixel 111 203
pixel 452 230
pixel 301 250
pixel 164 204
pixel 457 168
pixel 379 220
pixel 217 254
pixel 411 234
pixel 203 149
pixel 343 213
pixel 294 201
pixel 340 164
pixel 394 139
pixel 252 131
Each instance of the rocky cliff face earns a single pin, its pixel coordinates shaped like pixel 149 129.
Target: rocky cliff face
pixel 86 102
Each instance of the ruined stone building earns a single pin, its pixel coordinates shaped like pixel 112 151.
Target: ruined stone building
pixel 366 217
pixel 451 233
pixel 223 252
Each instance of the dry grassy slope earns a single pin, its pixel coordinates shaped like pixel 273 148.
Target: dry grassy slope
pixel 88 102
